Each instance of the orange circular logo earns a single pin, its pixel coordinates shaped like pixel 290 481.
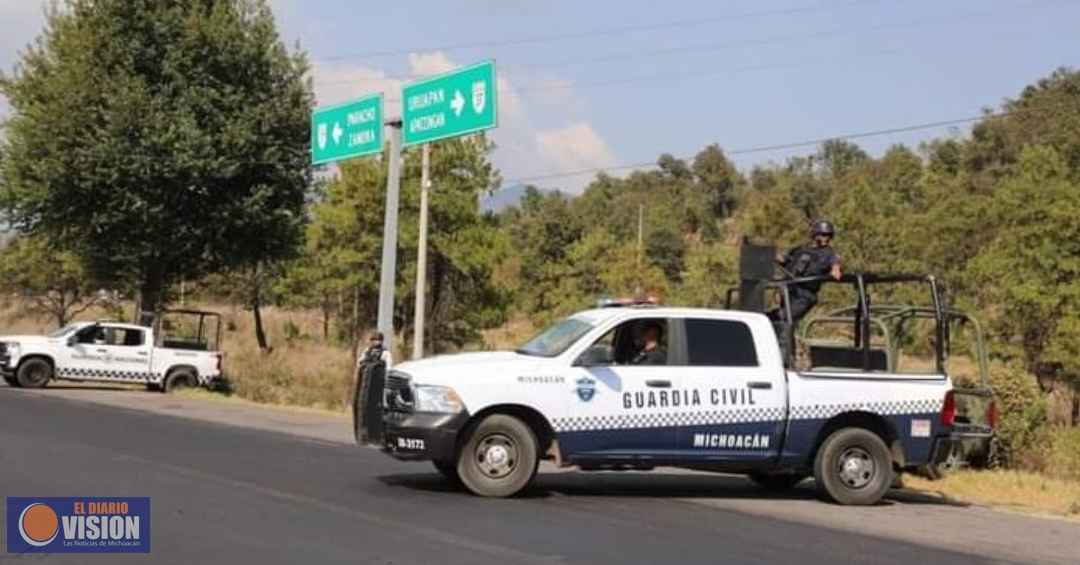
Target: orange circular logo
pixel 38 524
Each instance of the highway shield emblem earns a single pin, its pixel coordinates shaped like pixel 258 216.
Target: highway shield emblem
pixel 479 96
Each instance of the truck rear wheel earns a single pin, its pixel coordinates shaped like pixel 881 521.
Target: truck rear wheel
pixel 499 458
pixel 853 467
pixel 180 379
pixel 34 373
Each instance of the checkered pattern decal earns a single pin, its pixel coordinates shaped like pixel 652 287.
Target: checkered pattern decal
pixel 740 416
pixel 892 408
pixel 79 373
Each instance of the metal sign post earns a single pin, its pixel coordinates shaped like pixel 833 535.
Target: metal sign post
pixel 421 253
pixel 452 104
pixel 389 251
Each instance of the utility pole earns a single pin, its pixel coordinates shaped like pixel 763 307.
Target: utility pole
pixel 640 248
pixel 421 253
pixel 389 251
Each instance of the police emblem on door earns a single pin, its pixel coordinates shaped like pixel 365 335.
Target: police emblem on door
pixel 479 96
pixel 586 389
pixel 322 136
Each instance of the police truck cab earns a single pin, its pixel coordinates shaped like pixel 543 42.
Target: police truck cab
pixel 725 396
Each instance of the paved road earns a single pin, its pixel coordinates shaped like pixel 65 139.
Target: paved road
pixel 225 494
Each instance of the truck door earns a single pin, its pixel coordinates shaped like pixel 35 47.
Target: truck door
pixel 602 420
pixel 85 357
pixel 735 405
pixel 108 352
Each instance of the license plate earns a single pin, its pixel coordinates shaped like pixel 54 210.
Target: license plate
pixel 920 428
pixel 410 443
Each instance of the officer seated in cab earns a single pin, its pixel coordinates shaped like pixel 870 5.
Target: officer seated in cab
pixel 650 352
pixel 814 259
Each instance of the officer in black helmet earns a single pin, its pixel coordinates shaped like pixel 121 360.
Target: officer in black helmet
pixel 376 352
pixel 815 259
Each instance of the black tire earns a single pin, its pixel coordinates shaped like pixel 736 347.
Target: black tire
pixel 11 380
pixel 34 373
pixel 180 379
pixel 853 467
pixel 778 481
pixel 447 469
pixel 499 458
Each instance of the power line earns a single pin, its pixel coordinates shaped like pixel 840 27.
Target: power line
pixel 598 32
pixel 541 64
pixel 697 73
pixel 794 144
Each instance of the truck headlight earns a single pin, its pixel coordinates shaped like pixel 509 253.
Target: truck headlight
pixel 430 398
pixel 12 348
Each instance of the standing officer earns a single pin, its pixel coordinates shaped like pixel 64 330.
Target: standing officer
pixel 815 259
pixel 371 368
pixel 375 353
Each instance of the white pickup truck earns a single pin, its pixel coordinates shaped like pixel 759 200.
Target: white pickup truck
pixel 110 352
pixel 723 395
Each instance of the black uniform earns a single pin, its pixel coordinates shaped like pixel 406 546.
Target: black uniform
pixel 807 261
pixel 653 357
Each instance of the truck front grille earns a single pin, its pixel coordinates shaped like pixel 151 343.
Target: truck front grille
pixel 397 397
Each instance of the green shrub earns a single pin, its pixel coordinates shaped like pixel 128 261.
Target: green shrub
pixel 1022 429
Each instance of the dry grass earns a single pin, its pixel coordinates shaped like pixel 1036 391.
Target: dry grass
pixel 203 394
pixel 1015 490
pixel 300 370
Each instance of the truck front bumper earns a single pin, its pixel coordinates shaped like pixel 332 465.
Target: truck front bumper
pixel 422 436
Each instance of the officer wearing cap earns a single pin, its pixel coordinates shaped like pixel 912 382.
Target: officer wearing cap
pixel 815 259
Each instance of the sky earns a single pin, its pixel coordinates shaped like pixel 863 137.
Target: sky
pixel 612 84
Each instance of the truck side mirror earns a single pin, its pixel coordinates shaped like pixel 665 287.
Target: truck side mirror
pixel 598 354
pixel 72 339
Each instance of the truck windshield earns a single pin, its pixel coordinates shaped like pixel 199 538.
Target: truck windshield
pixel 556 339
pixel 64 330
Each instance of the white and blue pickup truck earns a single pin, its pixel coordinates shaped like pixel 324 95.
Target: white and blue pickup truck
pixel 719 396
pixel 113 352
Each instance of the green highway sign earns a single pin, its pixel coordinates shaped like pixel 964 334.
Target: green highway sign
pixel 347 130
pixel 455 103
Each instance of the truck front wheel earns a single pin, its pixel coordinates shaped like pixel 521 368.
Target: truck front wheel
pixel 34 373
pixel 853 467
pixel 499 458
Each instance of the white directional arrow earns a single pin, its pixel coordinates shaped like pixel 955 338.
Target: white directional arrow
pixel 457 103
pixel 337 132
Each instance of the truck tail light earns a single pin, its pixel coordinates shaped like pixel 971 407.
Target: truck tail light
pixel 992 413
pixel 219 356
pixel 948 409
